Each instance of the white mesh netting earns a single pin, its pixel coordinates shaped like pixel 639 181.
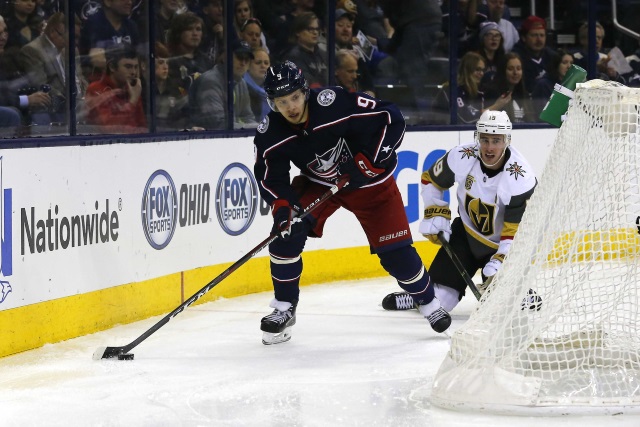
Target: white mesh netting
pixel 578 248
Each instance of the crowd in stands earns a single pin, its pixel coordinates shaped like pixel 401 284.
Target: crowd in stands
pixel 504 61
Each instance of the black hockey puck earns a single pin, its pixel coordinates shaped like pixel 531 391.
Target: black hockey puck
pixel 126 356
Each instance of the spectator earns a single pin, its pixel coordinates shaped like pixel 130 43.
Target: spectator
pixel 244 14
pixel 533 50
pixel 212 29
pixel 507 92
pixel 283 40
pixel 417 25
pixel 23 23
pixel 10 117
pixel 43 63
pixel 484 9
pixel 114 102
pixel 171 105
pixel 109 26
pixel 254 79
pixel 543 89
pixel 15 90
pixel 187 60
pixel 372 22
pixel 470 99
pixel 491 47
pixel 580 58
pixel 208 94
pixel 498 13
pixel 377 65
pixel 346 74
pixel 251 32
pixel 305 33
pixel 467 20
pixel 242 10
pixel 272 16
pixel 165 11
pixel 345 40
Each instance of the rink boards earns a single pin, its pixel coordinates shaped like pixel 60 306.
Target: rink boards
pixel 95 236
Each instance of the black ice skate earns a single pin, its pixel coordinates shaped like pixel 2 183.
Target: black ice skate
pixel 437 316
pixel 276 326
pixel 398 301
pixel 532 301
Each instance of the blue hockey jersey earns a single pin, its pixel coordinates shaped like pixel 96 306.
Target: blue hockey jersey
pixel 340 125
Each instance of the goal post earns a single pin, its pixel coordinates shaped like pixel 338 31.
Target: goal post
pixel 578 248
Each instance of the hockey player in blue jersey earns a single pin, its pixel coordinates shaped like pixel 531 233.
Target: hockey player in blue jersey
pixel 328 134
pixel 494 183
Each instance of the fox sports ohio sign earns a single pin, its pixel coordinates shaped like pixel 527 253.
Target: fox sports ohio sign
pixel 159 209
pixel 236 199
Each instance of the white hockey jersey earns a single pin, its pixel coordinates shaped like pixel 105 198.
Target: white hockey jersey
pixel 490 203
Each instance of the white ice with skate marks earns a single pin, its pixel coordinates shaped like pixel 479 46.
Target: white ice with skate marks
pixel 349 363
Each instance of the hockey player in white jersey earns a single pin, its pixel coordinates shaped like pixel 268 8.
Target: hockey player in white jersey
pixel 494 183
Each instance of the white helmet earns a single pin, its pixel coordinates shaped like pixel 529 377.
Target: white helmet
pixel 497 123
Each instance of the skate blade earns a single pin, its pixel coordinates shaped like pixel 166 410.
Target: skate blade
pixel 269 338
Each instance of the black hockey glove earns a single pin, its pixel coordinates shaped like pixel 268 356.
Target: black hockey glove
pixel 360 170
pixel 286 222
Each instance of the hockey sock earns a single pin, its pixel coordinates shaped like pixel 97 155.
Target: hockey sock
pixel 285 274
pixel 405 265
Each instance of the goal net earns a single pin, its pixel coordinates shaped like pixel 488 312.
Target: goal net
pixel 578 248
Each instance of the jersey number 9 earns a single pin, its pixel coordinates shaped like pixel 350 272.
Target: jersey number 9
pixel 366 103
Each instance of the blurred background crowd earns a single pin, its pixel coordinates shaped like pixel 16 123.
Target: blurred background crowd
pixel 151 66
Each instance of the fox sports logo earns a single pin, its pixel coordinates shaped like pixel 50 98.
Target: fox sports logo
pixel 236 199
pixel 159 209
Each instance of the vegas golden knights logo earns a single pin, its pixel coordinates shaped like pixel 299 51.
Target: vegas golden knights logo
pixel 469 182
pixel 482 215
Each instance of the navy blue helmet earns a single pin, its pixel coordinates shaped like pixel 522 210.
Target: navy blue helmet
pixel 283 79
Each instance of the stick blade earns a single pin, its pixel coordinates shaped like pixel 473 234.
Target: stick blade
pixel 107 352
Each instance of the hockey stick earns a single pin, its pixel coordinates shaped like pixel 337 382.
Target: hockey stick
pixel 122 353
pixel 454 258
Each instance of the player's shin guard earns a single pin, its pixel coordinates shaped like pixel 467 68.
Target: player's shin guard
pixel 285 274
pixel 406 267
pixel 286 267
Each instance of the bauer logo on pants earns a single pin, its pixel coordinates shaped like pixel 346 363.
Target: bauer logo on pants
pixel 236 199
pixel 159 209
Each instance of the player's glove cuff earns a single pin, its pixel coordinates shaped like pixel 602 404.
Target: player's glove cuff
pixel 433 211
pixel 366 166
pixel 499 257
pixel 492 267
pixel 359 170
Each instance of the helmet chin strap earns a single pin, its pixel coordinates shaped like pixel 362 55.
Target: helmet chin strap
pixel 497 161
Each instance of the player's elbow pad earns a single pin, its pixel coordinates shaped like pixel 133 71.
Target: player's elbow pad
pixel 432 196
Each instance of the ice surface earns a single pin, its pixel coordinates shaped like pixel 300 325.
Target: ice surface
pixel 349 363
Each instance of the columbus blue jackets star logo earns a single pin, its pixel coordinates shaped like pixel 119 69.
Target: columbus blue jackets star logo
pixel 515 170
pixel 264 125
pixel 326 97
pixel 326 164
pixel 468 152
